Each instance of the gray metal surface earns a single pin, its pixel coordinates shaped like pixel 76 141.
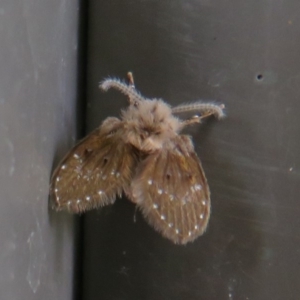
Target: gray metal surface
pixel 187 50
pixel 38 59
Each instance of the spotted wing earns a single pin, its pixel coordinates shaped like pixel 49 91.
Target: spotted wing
pixel 171 190
pixel 95 171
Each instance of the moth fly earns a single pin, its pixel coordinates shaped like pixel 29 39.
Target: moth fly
pixel 142 154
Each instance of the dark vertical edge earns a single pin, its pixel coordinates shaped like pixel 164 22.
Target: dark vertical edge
pixel 80 129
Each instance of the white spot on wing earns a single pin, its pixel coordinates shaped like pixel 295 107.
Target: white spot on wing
pixel 150 181
pixel 155 206
pixel 160 191
pixel 163 217
pixel 76 155
pixel 201 216
pixel 88 198
pixel 170 225
pixel 198 187
pixel 63 167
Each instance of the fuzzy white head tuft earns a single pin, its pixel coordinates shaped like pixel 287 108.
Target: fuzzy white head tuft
pixel 149 124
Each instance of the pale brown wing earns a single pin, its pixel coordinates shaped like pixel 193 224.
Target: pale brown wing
pixel 95 171
pixel 171 190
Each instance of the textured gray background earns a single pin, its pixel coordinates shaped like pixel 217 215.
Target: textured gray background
pixel 205 49
pixel 38 91
pixel 180 51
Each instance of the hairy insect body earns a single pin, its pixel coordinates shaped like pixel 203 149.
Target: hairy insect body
pixel 149 125
pixel 143 155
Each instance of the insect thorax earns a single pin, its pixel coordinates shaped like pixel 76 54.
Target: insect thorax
pixel 149 124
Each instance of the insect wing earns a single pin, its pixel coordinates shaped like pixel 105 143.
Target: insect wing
pixel 171 190
pixel 95 171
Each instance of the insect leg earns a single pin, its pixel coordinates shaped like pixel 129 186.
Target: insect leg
pixel 131 100
pixel 196 118
pixel 131 80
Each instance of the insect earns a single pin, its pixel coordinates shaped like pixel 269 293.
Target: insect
pixel 143 155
